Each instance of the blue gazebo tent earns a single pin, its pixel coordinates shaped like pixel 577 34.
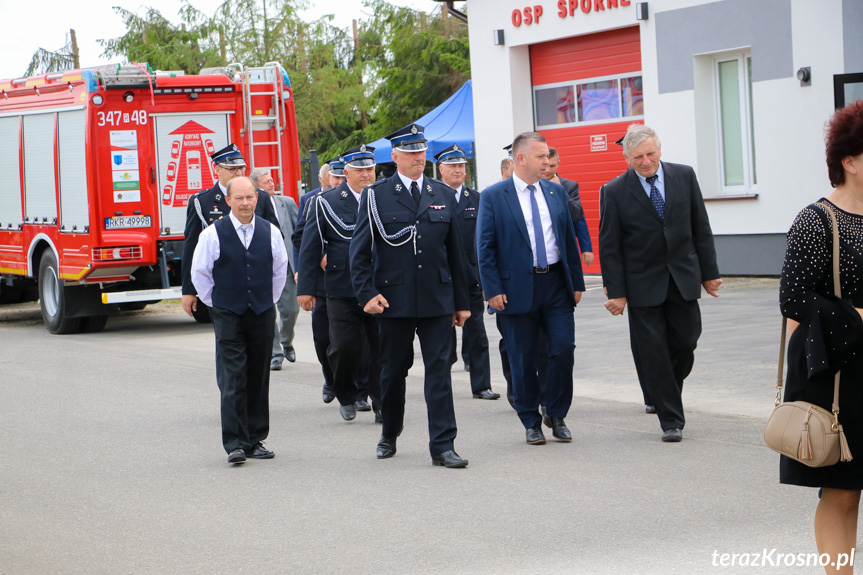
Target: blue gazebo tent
pixel 450 123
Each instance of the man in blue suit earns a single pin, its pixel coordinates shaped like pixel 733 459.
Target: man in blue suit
pixel 531 274
pixel 407 265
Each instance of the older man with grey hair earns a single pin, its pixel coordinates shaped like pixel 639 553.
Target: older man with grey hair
pixel 286 211
pixel 657 253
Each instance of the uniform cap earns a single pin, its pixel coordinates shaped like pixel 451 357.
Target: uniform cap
pixel 337 166
pixel 360 157
pixel 452 155
pixel 409 139
pixel 229 156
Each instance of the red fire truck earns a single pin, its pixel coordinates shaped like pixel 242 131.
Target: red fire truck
pixel 99 165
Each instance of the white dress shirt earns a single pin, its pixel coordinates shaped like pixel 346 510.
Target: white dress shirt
pixel 208 251
pixel 407 182
pixel 356 195
pixel 551 251
pixel 458 193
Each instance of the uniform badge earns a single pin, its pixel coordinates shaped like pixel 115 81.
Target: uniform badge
pixel 437 207
pixel 413 130
pixel 428 188
pixel 344 194
pixel 466 193
pixel 363 148
pixel 456 148
pixel 398 187
pixel 218 197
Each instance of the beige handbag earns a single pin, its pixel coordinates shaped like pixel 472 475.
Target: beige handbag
pixel 802 430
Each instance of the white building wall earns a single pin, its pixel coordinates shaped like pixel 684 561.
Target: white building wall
pixel 789 119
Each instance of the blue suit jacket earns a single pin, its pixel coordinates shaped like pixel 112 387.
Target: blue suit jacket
pixel 428 282
pixel 503 245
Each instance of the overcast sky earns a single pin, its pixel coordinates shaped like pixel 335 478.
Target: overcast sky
pixel 32 24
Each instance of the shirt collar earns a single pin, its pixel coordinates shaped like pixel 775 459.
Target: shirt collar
pixel 356 195
pixel 223 188
pixel 659 180
pixel 521 185
pixel 407 181
pixel 237 223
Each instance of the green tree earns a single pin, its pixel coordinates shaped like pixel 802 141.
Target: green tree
pixel 153 38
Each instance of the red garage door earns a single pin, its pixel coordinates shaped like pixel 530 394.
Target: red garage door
pixel 587 90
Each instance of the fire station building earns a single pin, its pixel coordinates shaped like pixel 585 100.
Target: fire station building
pixel 738 89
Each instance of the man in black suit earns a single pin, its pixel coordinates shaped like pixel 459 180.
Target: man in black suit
pixel 657 253
pixel 451 165
pixel 209 206
pixel 406 265
pixel 239 269
pixel 329 227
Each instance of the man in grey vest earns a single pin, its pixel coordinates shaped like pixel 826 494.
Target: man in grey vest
pixel 238 270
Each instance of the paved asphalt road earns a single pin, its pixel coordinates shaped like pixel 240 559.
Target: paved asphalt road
pixel 112 463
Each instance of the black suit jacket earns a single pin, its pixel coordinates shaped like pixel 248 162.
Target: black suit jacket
pixel 323 235
pixel 573 200
pixel 640 251
pixel 205 208
pixel 421 278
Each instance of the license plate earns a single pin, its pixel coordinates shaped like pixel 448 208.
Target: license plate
pixel 126 222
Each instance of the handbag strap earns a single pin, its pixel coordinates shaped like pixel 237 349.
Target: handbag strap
pixel 837 290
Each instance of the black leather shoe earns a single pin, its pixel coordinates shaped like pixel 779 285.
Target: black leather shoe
pixel 328 394
pixel 672 435
pixel 348 411
pixel 276 365
pixel 258 451
pixel 546 420
pixel 237 456
pixel 535 436
pixel 386 447
pixel 486 394
pixel 449 459
pixel 466 366
pixel 363 405
pixel 559 430
pixel 649 409
pixel 379 417
pixel 291 355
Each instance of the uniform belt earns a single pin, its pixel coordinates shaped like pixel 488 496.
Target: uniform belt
pixel 549 268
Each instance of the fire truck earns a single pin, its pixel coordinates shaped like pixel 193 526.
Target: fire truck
pixel 99 165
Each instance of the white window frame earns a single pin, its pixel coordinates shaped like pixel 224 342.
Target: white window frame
pixel 744 64
pixel 574 84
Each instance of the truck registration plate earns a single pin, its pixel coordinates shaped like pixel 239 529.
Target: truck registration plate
pixel 125 222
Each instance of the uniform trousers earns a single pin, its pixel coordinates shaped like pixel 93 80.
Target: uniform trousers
pixel 475 346
pixel 551 312
pixel 351 331
pixel 244 353
pixel 289 309
pixel 321 336
pixel 396 344
pixel 666 336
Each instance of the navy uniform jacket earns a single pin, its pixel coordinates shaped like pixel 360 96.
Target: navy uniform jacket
pixel 205 208
pixel 306 203
pixel 427 283
pixel 466 212
pixel 322 236
pixel 503 245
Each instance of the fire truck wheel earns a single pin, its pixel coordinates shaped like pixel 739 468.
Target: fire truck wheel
pixel 52 298
pixel 93 324
pixel 202 314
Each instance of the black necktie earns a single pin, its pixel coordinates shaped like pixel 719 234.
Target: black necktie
pixel 656 197
pixel 415 193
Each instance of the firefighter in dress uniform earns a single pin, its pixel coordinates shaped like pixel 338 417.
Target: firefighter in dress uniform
pixel 451 165
pixel 330 223
pixel 407 266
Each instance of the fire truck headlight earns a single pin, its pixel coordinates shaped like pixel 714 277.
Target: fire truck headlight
pixel 97 100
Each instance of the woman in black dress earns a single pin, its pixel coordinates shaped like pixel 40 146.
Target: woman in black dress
pixel 830 334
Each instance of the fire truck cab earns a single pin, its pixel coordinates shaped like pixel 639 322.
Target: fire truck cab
pixel 101 166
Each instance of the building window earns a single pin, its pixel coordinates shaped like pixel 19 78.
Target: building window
pixel 736 132
pixel 592 101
